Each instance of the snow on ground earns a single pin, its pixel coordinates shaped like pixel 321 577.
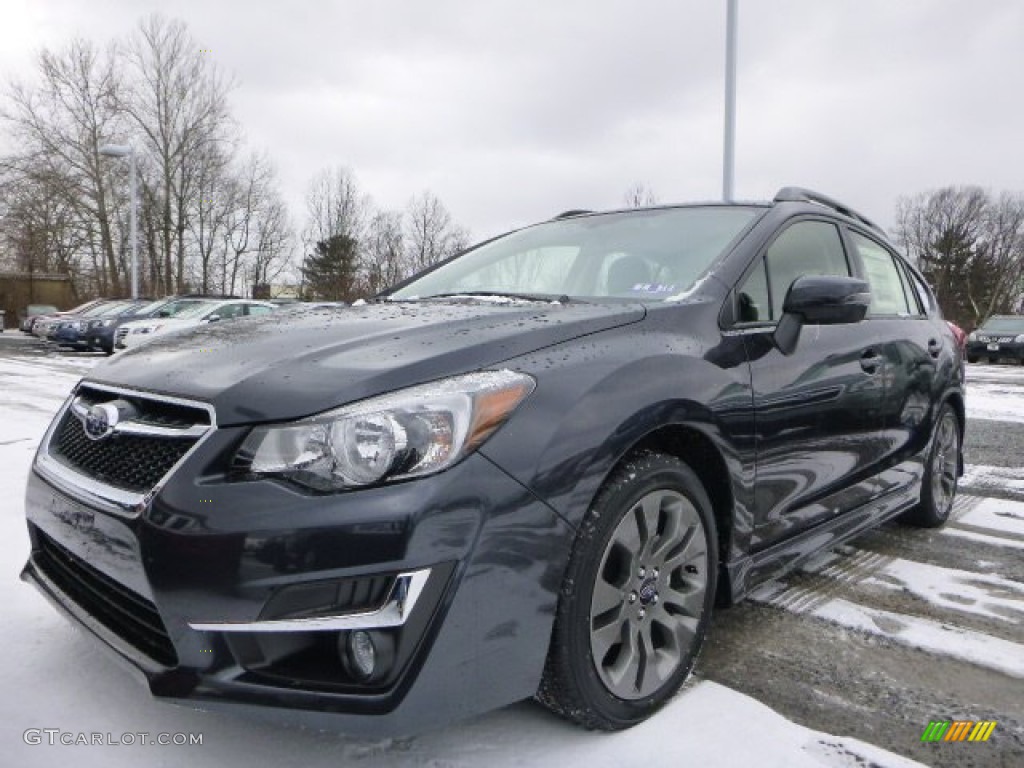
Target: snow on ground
pixel 995 516
pixel 979 593
pixel 935 637
pixel 56 677
pixel 991 393
pixel 984 477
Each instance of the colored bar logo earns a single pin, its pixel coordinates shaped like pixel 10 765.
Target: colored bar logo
pixel 958 730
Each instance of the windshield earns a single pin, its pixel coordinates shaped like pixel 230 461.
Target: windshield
pixel 1004 325
pixel 652 254
pixel 101 309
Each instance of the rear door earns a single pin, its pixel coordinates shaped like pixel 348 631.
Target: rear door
pixel 918 349
pixel 818 411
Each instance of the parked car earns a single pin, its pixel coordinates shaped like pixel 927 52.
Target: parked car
pixel 73 331
pixel 46 327
pixel 1000 337
pixel 529 471
pixel 28 316
pixel 199 312
pixel 103 333
pixel 45 324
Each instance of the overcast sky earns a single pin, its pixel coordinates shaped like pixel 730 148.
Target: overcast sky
pixel 514 111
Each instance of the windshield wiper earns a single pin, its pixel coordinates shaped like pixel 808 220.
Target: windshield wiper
pixel 546 297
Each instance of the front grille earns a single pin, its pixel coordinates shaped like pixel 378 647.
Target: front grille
pixel 133 462
pixel 130 616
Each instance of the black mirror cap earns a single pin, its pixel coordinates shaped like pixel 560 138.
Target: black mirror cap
pixel 827 299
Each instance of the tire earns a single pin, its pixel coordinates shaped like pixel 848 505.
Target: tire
pixel 644 567
pixel 938 488
pixel 972 358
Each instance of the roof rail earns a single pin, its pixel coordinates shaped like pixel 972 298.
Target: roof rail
pixel 570 214
pixel 801 195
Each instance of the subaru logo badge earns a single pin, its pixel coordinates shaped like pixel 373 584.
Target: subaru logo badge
pixel 100 420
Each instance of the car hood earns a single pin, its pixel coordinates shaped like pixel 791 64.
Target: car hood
pixel 285 366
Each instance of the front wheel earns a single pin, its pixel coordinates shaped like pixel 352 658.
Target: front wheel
pixel 938 490
pixel 637 596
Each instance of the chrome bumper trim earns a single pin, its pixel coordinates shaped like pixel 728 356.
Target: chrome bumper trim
pixel 393 613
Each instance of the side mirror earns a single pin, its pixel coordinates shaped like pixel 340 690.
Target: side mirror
pixel 164 313
pixel 213 318
pixel 820 300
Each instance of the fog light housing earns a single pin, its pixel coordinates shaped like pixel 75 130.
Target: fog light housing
pixel 367 655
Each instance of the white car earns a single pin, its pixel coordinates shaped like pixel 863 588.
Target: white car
pixel 200 313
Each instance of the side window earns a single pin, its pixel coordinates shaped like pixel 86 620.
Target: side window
pixel 805 248
pixel 924 294
pixel 912 299
pixel 753 303
pixel 258 309
pixel 887 296
pixel 229 311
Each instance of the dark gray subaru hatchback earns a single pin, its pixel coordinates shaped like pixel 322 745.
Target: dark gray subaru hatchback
pixel 529 471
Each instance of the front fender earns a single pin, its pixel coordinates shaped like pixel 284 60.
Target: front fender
pixel 604 397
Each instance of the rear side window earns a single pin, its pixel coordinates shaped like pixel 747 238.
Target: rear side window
pixel 887 289
pixel 924 295
pixel 804 248
pixel 258 309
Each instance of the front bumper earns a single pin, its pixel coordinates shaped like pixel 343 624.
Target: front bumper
pixel 1011 350
pixel 70 338
pixel 205 561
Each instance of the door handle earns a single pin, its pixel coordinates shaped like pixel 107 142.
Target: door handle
pixel 934 347
pixel 870 361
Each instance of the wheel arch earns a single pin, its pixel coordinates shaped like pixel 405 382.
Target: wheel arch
pixel 698 451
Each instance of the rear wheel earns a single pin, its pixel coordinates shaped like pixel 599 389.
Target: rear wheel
pixel 637 596
pixel 938 491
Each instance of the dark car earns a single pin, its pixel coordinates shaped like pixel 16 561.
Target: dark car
pixel 529 471
pixel 76 331
pixel 1000 337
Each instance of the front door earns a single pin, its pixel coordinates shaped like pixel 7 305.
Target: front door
pixel 818 411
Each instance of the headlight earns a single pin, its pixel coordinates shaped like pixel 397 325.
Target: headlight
pixel 409 433
pixel 147 328
pixel 1019 339
pixel 972 336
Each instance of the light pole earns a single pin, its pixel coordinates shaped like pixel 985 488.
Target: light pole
pixel 122 150
pixel 729 149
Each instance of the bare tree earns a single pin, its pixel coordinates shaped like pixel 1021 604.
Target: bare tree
pixel 969 246
pixel 59 126
pixel 432 235
pixel 384 254
pixel 640 196
pixel 209 214
pixel 178 101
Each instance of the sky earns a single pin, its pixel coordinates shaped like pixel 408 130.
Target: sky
pixel 512 112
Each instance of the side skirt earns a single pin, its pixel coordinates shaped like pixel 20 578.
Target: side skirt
pixel 747 572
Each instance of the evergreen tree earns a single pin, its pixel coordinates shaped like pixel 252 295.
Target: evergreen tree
pixel 330 272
